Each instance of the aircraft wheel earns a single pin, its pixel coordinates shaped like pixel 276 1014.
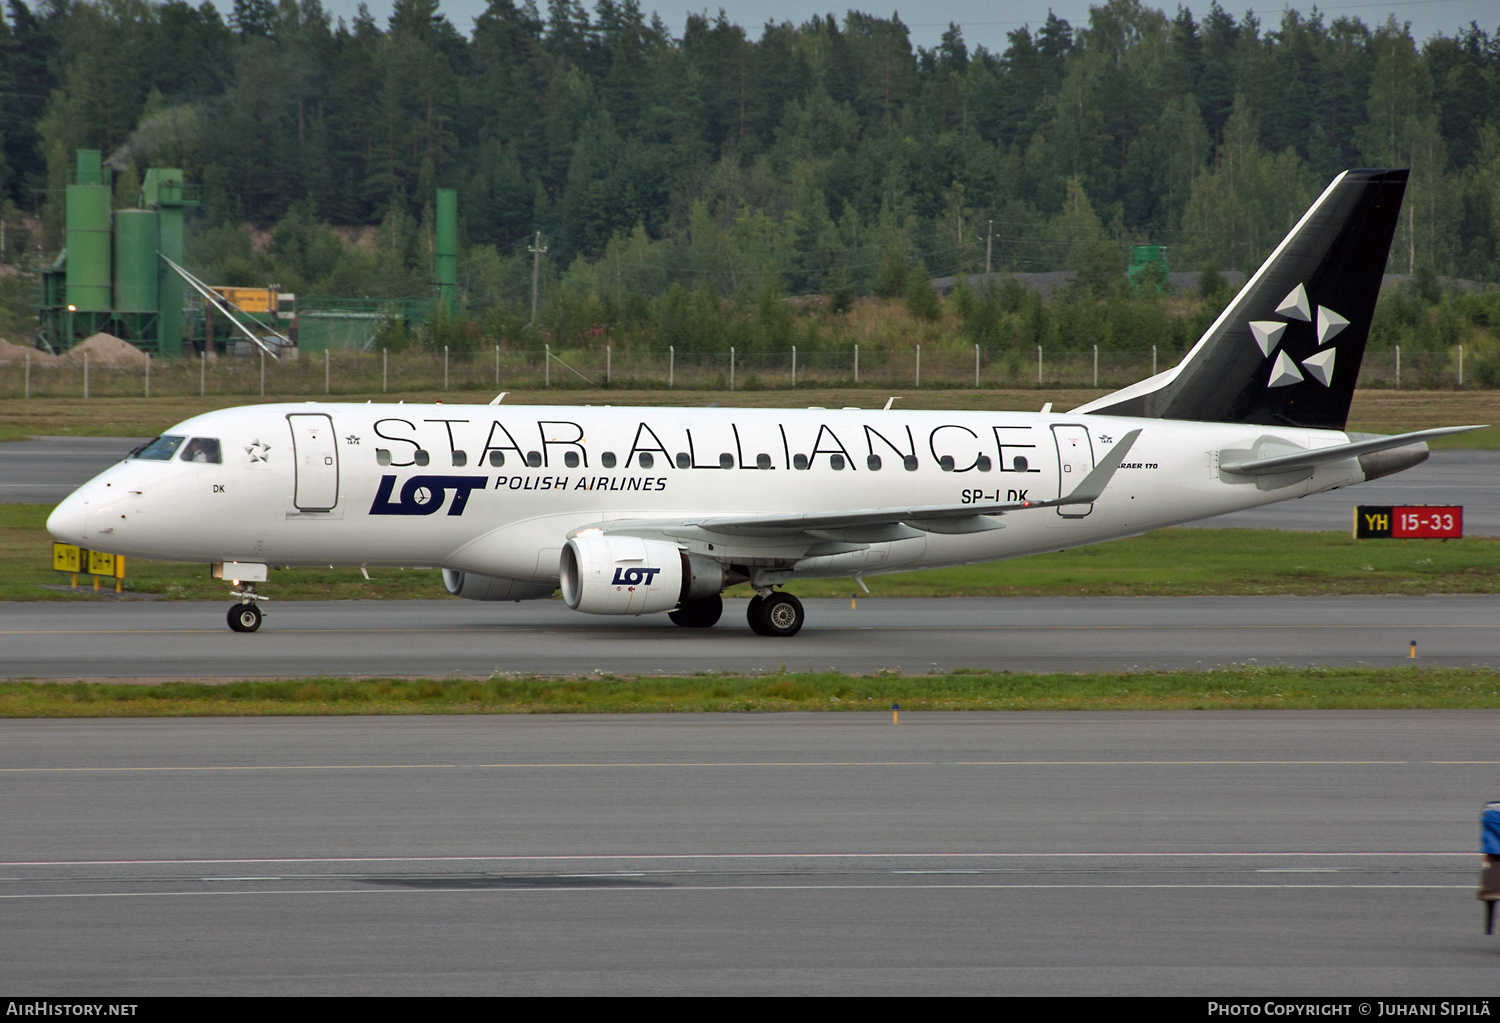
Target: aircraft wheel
pixel 698 614
pixel 753 616
pixel 244 617
pixel 780 614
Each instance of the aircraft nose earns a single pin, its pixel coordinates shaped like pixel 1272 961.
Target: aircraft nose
pixel 67 521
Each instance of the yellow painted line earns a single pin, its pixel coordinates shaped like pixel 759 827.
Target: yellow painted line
pixel 735 764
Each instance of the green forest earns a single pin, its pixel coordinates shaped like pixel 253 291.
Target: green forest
pixel 754 185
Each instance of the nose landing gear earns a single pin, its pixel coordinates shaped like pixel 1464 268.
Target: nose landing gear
pixel 246 615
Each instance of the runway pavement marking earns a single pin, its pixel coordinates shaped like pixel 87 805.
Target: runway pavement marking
pixel 594 889
pixel 773 763
pixel 570 857
pixel 617 631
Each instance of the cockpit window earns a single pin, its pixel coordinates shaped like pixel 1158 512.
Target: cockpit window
pixel 161 449
pixel 202 449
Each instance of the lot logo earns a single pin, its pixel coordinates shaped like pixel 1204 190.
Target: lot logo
pixel 634 576
pixel 424 495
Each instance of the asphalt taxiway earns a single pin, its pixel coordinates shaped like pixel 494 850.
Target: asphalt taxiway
pixel 45 470
pixel 1121 853
pixel 450 637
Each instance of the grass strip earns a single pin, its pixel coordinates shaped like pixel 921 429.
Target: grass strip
pixel 1237 688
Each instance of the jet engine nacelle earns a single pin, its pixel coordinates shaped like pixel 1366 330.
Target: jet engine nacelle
pixel 621 575
pixel 472 586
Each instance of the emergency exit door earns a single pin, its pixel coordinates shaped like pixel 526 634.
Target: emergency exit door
pixel 1075 459
pixel 315 450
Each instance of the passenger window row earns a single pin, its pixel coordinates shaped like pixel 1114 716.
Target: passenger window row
pixel 646 460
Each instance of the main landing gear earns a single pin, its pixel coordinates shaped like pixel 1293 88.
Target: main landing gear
pixel 775 614
pixel 246 615
pixel 771 614
pixel 698 614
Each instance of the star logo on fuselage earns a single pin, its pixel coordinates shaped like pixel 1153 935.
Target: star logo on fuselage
pixel 258 452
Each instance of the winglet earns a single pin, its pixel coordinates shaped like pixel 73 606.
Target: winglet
pixel 1094 483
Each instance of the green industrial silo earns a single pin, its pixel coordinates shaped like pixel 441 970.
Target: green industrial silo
pixel 88 240
pixel 136 276
pixel 135 261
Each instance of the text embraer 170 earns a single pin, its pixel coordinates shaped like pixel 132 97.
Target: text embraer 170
pixel 641 510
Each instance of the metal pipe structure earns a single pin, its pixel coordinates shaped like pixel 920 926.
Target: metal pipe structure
pixel 209 295
pixel 445 252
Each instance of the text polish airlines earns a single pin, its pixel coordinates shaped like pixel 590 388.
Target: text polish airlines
pixel 640 510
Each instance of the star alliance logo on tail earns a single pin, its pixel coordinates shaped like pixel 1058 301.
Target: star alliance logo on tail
pixel 1268 334
pixel 424 495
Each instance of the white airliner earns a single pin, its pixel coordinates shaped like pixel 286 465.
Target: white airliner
pixel 641 510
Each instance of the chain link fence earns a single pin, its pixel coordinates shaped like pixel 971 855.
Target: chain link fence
pixel 499 369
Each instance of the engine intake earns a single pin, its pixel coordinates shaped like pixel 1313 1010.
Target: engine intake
pixel 472 586
pixel 625 575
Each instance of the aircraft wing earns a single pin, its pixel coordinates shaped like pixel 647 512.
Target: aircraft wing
pixel 872 525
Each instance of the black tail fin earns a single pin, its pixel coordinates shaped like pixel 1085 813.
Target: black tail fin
pixel 1287 350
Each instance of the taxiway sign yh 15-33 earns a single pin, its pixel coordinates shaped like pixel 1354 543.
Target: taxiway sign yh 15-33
pixel 643 510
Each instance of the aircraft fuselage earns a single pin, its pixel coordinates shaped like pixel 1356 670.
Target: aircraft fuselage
pixel 497 490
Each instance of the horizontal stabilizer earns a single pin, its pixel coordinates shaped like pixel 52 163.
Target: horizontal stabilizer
pixel 1337 453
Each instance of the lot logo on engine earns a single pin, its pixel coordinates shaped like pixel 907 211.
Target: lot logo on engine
pixel 424 495
pixel 634 576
